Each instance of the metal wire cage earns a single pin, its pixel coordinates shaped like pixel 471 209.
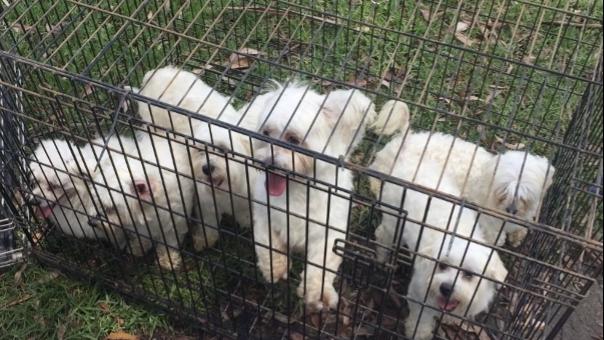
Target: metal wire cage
pixel 11 245
pixel 503 75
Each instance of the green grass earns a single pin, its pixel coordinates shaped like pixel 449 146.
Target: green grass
pixel 40 304
pixel 365 46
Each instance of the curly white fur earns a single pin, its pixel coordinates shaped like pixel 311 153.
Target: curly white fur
pixel 290 213
pixel 438 285
pixel 145 198
pixel 60 171
pixel 473 169
pixel 221 177
pixel 177 87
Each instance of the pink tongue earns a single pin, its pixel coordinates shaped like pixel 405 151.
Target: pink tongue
pixel 46 211
pixel 276 184
pixel 447 306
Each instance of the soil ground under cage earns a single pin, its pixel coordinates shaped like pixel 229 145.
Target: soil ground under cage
pixel 505 75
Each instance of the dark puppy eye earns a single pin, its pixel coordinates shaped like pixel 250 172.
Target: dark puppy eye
pixel 54 186
pixel 467 274
pixel 266 132
pixel 293 140
pixel 442 266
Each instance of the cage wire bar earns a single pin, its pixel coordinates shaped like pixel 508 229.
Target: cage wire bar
pixel 502 74
pixel 11 244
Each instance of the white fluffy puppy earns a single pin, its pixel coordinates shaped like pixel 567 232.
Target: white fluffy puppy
pixel 453 283
pixel 291 213
pixel 177 87
pixel 58 191
pixel 296 215
pixel 518 182
pixel 473 169
pixel 59 169
pixel 147 198
pixel 222 185
pixel 224 176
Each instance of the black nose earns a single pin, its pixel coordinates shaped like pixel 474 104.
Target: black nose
pixel 93 221
pixel 207 169
pixel 511 210
pixel 446 289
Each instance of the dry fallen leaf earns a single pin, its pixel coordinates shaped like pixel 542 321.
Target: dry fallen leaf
pixel 104 307
pixel 511 146
pixel 426 14
pixel 20 28
pixel 17 301
pixel 357 81
pixel 464 39
pixel 462 26
pixel 88 90
pixel 242 58
pixel 121 335
pixel 19 274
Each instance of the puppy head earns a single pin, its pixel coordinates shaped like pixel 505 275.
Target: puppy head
pixel 518 184
pixel 294 114
pixel 52 162
pixel 216 165
pixel 462 292
pixel 121 198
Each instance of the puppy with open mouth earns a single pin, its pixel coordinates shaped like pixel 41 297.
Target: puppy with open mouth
pixel 60 171
pixel 454 273
pixel 303 204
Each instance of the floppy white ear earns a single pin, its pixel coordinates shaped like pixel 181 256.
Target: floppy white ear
pixel 393 116
pixel 354 102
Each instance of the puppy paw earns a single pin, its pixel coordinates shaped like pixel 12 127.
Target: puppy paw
pixel 277 271
pixel 317 300
pixel 205 240
pixel 516 237
pixel 169 259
